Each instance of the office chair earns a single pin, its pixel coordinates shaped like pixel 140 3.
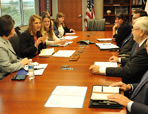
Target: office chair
pixel 95 24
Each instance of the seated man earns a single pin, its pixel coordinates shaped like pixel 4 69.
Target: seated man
pixel 128 43
pixel 132 69
pixel 138 103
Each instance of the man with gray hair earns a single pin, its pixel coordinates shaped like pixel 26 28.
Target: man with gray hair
pixel 133 68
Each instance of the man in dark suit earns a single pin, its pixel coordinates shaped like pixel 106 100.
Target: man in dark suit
pixel 128 43
pixel 131 69
pixel 138 102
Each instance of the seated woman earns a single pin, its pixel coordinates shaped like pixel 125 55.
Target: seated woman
pixel 60 27
pixel 47 29
pixel 121 29
pixel 31 41
pixel 8 59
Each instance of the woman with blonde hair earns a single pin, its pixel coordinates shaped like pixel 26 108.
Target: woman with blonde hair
pixel 47 29
pixel 31 41
pixel 60 27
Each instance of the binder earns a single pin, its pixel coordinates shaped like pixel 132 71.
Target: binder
pixel 99 99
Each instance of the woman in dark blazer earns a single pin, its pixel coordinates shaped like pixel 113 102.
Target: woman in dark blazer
pixel 121 29
pixel 8 58
pixel 60 27
pixel 31 41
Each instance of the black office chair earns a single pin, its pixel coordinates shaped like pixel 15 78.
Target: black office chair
pixel 15 44
pixel 95 24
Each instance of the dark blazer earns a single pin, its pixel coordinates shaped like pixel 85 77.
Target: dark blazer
pixel 55 26
pixel 27 48
pixel 140 98
pixel 127 45
pixel 132 69
pixel 123 32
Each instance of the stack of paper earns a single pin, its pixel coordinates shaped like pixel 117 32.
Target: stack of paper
pixel 70 33
pixel 67 96
pixel 101 92
pixel 38 68
pixel 104 39
pixel 64 53
pixel 46 52
pixel 69 37
pixel 107 46
pixel 106 64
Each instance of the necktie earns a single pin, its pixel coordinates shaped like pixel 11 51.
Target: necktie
pixel 145 76
pixel 125 41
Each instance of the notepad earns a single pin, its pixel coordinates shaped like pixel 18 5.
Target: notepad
pixel 46 52
pixel 63 53
pixel 104 39
pixel 70 33
pixel 106 64
pixel 99 97
pixel 105 46
pixel 67 97
pixel 101 92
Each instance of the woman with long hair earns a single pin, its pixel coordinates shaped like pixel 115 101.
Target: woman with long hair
pixel 32 41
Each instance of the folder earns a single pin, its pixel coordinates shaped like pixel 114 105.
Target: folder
pixel 99 97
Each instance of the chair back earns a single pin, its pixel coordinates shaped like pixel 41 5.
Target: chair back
pixel 95 24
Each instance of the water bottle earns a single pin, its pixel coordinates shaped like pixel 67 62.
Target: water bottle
pixel 31 70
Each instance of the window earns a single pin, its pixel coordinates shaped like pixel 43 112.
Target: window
pixel 20 10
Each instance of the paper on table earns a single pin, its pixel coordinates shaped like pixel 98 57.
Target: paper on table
pixel 70 33
pixel 39 69
pixel 97 88
pixel 69 37
pixel 108 89
pixel 99 96
pixel 47 52
pixel 106 64
pixel 67 96
pixel 104 39
pixel 107 46
pixel 63 53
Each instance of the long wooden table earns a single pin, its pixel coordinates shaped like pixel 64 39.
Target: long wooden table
pixel 29 97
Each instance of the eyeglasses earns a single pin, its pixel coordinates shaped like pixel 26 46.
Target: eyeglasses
pixel 135 29
pixel 145 45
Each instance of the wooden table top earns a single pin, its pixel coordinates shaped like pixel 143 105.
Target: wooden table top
pixel 29 96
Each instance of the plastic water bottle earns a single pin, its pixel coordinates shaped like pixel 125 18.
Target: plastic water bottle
pixel 31 70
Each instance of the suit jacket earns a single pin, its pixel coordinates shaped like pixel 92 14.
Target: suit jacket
pixel 27 48
pixel 123 32
pixel 56 31
pixel 140 98
pixel 127 46
pixel 8 59
pixel 132 69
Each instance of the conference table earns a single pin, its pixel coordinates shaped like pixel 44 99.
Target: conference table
pixel 30 96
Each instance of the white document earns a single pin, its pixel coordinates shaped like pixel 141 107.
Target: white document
pixel 67 96
pixel 38 68
pixel 64 53
pixel 66 43
pixel 99 96
pixel 104 39
pixel 69 37
pixel 107 46
pixel 97 88
pixel 108 89
pixel 70 33
pixel 106 64
pixel 46 52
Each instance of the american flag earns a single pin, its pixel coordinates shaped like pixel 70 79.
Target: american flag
pixel 90 12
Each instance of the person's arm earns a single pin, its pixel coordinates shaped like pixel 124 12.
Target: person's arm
pixel 55 29
pixel 8 65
